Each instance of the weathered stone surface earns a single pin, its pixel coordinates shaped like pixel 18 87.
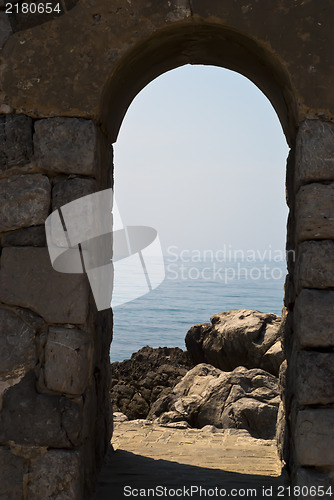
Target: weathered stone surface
pixel 309 477
pixel 11 475
pixel 27 279
pixel 241 399
pixel 314 318
pixel 315 265
pixel 57 474
pixel 314 378
pixel 15 140
pixel 17 345
pixel 138 382
pixel 237 338
pixel 5 29
pixel 315 212
pixel 70 72
pixel 32 319
pixel 37 419
pixel 66 145
pixel 281 431
pixel 313 437
pixel 273 358
pixel 68 360
pixel 25 201
pixel 27 237
pixel 315 152
pixel 71 189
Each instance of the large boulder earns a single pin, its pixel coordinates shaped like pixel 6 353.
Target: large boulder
pixel 139 381
pixel 235 338
pixel 240 399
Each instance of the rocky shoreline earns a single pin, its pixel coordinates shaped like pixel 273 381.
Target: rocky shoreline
pixel 227 378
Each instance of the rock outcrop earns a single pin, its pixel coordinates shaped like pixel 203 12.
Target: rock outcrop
pixel 240 399
pixel 233 384
pixel 141 380
pixel 238 338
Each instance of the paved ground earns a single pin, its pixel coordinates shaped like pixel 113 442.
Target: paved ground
pixel 147 457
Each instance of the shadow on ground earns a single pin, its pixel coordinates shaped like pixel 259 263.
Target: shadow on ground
pixel 136 472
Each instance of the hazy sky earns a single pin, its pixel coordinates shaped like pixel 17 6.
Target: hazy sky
pixel 201 158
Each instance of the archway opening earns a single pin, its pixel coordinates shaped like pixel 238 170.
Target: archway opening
pixel 201 44
pixel 200 158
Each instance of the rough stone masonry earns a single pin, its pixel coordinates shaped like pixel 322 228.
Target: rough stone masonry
pixel 66 82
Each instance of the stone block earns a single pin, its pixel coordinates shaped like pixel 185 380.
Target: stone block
pixel 5 29
pixel 25 201
pixel 28 237
pixel 27 279
pixel 17 345
pixel 15 140
pixel 39 419
pixel 315 152
pixel 68 354
pixel 314 318
pixel 315 212
pixel 69 190
pixel 309 477
pixel 57 474
pixel 11 475
pixel 315 265
pixel 66 145
pixel 314 379
pixel 313 432
pixel 35 321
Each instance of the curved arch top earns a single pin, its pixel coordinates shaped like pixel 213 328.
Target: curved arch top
pixel 206 44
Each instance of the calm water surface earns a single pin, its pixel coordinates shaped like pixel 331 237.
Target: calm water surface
pixel 190 294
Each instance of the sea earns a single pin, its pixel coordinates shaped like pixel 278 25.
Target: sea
pixel 191 293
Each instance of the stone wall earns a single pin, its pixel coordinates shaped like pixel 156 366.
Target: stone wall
pixel 309 298
pixel 54 347
pixel 99 56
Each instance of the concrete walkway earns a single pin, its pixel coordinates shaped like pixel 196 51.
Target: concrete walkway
pixel 147 456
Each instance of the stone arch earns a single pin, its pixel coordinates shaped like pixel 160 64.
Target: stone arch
pixel 207 44
pixel 78 84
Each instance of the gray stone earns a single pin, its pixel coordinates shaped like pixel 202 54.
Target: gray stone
pixel 118 416
pixel 315 152
pixel 27 279
pixel 15 140
pixel 68 354
pixel 314 318
pixel 257 417
pixel 309 477
pixel 315 212
pixel 11 475
pixel 25 201
pixel 38 419
pixel 138 382
pixel 30 318
pixel 314 378
pixel 313 437
pixel 57 474
pixel 5 29
pixel 315 265
pixel 27 237
pixel 236 338
pixel 66 145
pixel 71 189
pixel 241 399
pixel 17 345
pixel 281 432
pixel 273 358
